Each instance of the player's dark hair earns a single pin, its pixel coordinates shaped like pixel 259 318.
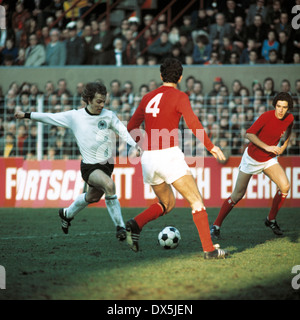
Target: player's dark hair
pixel 171 70
pixel 284 96
pixel 91 89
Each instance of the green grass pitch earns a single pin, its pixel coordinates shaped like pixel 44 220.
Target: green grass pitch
pixel 89 263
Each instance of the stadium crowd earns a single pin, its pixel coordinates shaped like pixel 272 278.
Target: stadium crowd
pixel 225 112
pixel 222 32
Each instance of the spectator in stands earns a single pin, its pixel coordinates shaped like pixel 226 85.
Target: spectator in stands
pixel 161 48
pixel 258 31
pixel 253 58
pixel 177 54
pixel 87 40
pixel 35 94
pixel 232 11
pixel 55 50
pixel 44 36
pixel 217 84
pixel 152 60
pixel 62 87
pixel 202 21
pixel 134 25
pixel 245 56
pixel 186 44
pixel 187 26
pixel 268 88
pixel 19 18
pixel 273 57
pixel 71 14
pixel 132 48
pixel 197 91
pixel 285 86
pixel 75 49
pixel 219 30
pixel 214 59
pixel 189 84
pixel 273 15
pixel 225 50
pixel 101 43
pixel 20 61
pixel 296 58
pixel 35 54
pixel 174 35
pixel 284 24
pixel 258 8
pixel 234 58
pixel 8 145
pixel 140 60
pixel 48 90
pixel 127 93
pixel 269 44
pixel 21 136
pixel 10 51
pixel 77 96
pixel 239 37
pixel 285 49
pixel 202 50
pixel 30 143
pixel 115 90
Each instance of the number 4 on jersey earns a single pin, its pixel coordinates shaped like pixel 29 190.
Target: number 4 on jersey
pixel 152 106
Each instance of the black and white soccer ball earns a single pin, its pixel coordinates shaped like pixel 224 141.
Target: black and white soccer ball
pixel 169 237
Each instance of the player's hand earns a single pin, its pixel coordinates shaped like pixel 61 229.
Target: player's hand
pixel 139 151
pixel 274 149
pixel 20 115
pixel 217 153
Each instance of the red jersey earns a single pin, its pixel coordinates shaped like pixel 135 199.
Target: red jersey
pixel 269 130
pixel 161 109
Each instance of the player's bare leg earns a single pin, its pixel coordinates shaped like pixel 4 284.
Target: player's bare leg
pixel 187 187
pixel 104 184
pixel 278 176
pixel 237 194
pixel 240 186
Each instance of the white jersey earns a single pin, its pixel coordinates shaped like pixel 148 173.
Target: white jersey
pixel 93 133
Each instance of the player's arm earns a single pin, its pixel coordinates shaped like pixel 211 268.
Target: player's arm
pixel 134 123
pixel 286 138
pixel 57 119
pixel 251 135
pixel 255 140
pixel 119 128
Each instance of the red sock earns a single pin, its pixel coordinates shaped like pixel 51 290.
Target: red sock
pixel 228 204
pixel 201 221
pixel 276 205
pixel 152 213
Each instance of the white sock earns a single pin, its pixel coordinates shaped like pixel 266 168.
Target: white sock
pixel 114 210
pixel 76 206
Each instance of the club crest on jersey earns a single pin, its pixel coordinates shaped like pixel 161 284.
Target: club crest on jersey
pixel 102 124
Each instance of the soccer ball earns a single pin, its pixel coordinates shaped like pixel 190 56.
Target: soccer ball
pixel 169 237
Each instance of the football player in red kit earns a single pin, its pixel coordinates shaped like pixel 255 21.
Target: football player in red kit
pixel 163 161
pixel 261 156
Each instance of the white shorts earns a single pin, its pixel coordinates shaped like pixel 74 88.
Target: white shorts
pixel 250 166
pixel 166 165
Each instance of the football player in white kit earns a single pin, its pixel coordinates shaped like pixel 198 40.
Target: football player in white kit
pixel 92 127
